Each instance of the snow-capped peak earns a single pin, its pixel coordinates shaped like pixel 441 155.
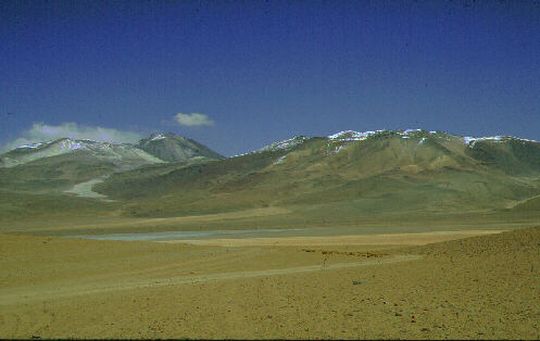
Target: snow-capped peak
pixel 31 145
pixel 63 143
pixel 285 144
pixel 471 141
pixel 280 145
pixel 407 132
pixel 69 144
pixel 352 135
pixel 157 137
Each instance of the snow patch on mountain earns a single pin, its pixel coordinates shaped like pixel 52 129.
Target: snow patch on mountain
pixel 239 155
pixel 285 144
pixel 408 132
pixel 352 135
pixel 117 153
pixel 31 146
pixel 471 141
pixel 277 146
pixel 70 145
pixel 280 160
pixel 415 133
pixel 84 189
pixel 157 137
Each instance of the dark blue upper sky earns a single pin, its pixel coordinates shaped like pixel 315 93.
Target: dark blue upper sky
pixel 264 71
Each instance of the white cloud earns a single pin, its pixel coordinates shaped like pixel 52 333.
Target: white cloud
pixel 40 132
pixel 193 120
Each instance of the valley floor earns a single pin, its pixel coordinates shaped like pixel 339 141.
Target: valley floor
pixel 417 286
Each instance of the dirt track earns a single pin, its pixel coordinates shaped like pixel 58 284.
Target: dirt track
pixel 480 287
pixel 22 295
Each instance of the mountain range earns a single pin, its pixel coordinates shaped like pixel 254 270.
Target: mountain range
pixel 343 178
pixel 157 148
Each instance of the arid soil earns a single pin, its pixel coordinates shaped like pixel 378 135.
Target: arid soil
pixel 479 288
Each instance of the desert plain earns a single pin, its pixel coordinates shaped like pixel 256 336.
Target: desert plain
pixel 473 284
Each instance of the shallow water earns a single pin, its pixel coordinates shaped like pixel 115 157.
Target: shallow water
pixel 258 233
pixel 182 235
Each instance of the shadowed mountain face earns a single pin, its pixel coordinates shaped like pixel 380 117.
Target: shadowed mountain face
pixel 173 148
pixel 513 156
pixel 345 177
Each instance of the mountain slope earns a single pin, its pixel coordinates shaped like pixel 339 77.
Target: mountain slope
pixel 511 155
pixel 55 173
pixel 62 163
pixel 124 155
pixel 173 148
pixel 347 178
pixel 157 148
pixel 348 173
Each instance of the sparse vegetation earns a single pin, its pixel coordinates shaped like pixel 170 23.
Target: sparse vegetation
pixel 426 178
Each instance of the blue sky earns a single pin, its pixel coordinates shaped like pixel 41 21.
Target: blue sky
pixel 264 71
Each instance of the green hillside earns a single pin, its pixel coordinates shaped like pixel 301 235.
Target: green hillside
pixel 54 173
pixel 384 177
pixel 382 174
pixel 514 157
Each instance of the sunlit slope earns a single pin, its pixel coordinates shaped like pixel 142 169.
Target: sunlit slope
pixel 158 148
pixel 124 155
pixel 349 178
pixel 55 173
pixel 386 173
pixel 56 166
pixel 50 209
pixel 40 191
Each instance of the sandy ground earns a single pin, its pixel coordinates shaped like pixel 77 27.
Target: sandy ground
pixel 478 288
pixel 143 224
